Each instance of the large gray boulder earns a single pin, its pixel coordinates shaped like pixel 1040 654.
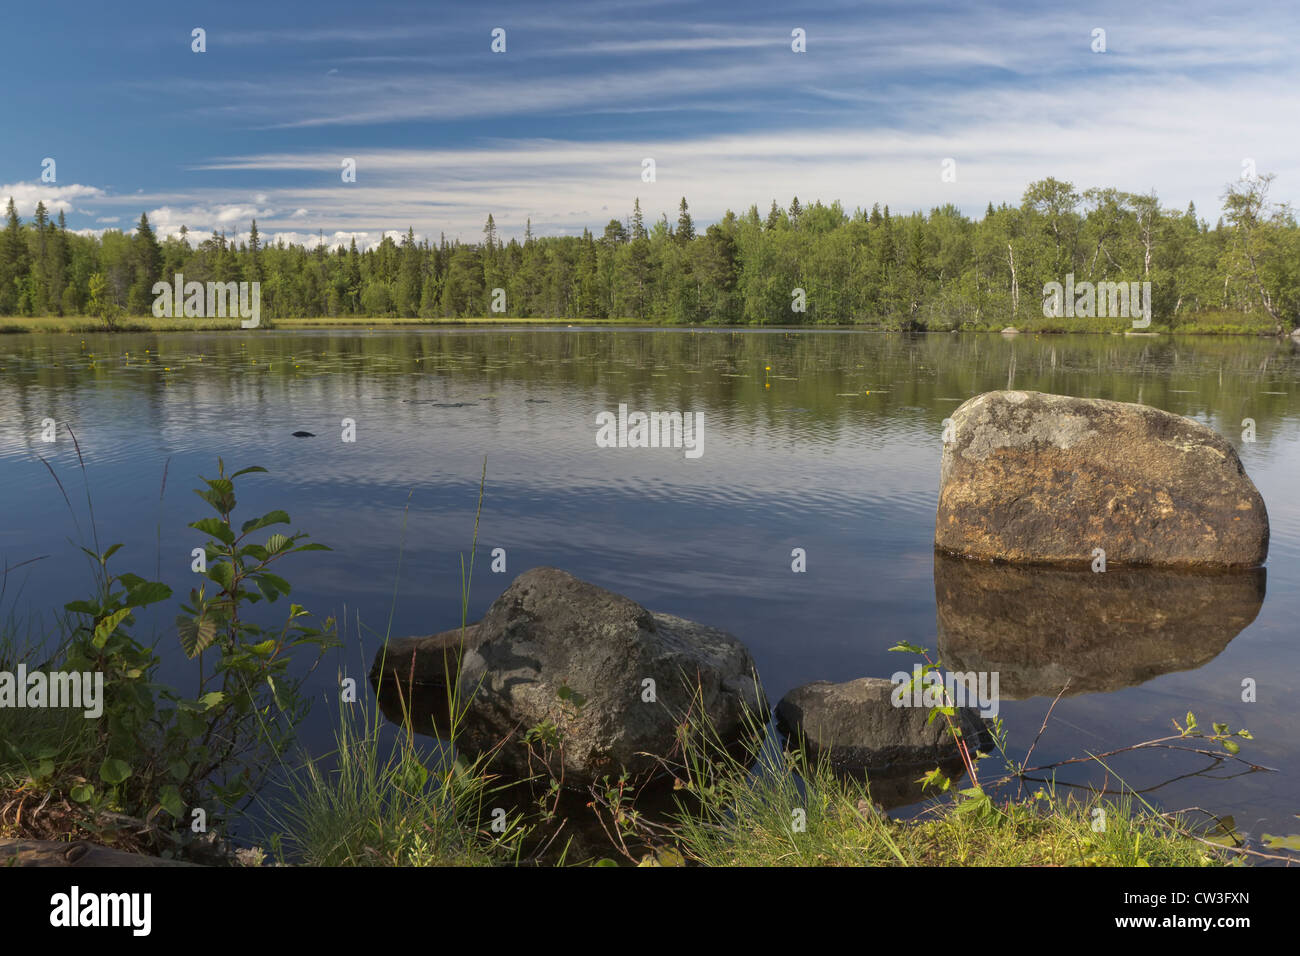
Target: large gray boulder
pixel 857 727
pixel 614 678
pixel 1037 478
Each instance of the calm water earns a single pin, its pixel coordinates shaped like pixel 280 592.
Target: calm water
pixel 835 449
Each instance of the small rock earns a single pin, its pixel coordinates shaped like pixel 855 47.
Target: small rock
pixel 856 725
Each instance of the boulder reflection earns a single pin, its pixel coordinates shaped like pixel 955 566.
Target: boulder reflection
pixel 1043 627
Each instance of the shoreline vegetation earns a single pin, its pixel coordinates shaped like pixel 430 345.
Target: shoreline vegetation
pixel 1210 323
pixel 804 265
pixel 393 795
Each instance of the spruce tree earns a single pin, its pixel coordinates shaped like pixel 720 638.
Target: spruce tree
pixel 638 223
pixel 13 261
pixel 685 227
pixel 254 254
pixel 773 216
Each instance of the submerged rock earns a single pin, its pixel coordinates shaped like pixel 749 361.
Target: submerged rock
pixel 613 678
pixel 857 727
pixel 1041 628
pixel 1031 477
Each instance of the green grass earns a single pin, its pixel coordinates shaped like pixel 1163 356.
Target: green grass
pixel 754 805
pixel 373 802
pixel 376 803
pixel 746 823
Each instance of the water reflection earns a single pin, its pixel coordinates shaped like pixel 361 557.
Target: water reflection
pixel 1040 628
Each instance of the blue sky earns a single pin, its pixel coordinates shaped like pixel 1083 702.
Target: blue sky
pixel 556 128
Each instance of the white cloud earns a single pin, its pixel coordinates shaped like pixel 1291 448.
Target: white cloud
pixel 56 198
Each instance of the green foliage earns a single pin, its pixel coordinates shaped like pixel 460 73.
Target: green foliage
pixel 935 270
pixel 249 702
pixel 102 303
pixel 156 750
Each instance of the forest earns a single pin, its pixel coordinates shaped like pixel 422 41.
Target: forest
pixel 795 265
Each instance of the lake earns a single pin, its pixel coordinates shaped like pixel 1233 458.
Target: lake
pixel 826 441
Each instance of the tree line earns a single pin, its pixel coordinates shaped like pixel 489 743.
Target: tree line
pixel 800 264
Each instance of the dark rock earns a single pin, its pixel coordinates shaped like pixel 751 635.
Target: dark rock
pixel 555 648
pixel 856 726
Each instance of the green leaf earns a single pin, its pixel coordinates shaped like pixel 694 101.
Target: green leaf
pixel 905 647
pixel 105 628
pixel 150 592
pixel 211 699
pixel 179 769
pixel 263 649
pixel 1231 746
pixel 271 517
pixel 112 550
pixel 278 585
pixel 114 770
pixel 215 527
pixel 170 798
pixel 82 792
pixel 81 607
pixel 195 635
pixel 247 471
pixel 223 572
pixel 313 547
pixel 276 543
pixel 220 494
